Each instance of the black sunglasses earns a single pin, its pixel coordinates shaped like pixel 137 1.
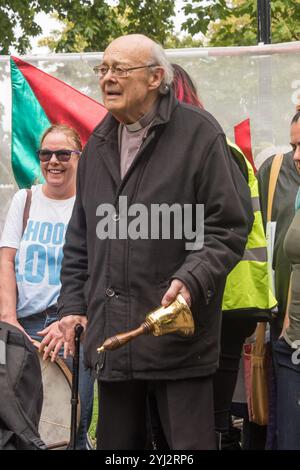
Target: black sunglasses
pixel 62 155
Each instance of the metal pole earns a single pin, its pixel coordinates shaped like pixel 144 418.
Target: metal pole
pixel 263 22
pixel 264 97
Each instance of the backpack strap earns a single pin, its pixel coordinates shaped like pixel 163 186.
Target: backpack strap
pixel 14 415
pixel 26 208
pixel 274 173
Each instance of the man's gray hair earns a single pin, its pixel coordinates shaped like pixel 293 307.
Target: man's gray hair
pixel 159 58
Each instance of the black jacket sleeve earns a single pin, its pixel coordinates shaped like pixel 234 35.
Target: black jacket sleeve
pixel 75 261
pixel 228 218
pixel 263 177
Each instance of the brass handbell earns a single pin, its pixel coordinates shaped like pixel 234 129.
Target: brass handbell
pixel 176 318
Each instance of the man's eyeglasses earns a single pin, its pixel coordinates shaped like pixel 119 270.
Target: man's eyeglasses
pixel 62 155
pixel 116 70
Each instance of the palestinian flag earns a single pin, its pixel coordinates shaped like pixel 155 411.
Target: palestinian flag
pixel 242 137
pixel 39 100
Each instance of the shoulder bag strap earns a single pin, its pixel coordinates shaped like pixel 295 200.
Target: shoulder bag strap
pixel 275 169
pixel 274 172
pixel 260 333
pixel 26 208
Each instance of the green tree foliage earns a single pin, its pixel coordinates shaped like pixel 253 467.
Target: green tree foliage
pixel 89 25
pixel 86 21
pixel 234 22
pixel 18 13
pixel 92 26
pixel 79 43
pixel 59 38
pixel 153 18
pixel 175 41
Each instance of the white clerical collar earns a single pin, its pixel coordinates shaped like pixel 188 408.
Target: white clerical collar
pixel 144 120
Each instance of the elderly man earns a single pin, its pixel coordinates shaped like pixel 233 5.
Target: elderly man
pixel 150 150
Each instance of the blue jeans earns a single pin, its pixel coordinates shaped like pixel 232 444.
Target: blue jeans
pixel 38 322
pixel 288 396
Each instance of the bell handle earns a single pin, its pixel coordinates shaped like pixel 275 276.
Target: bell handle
pixel 120 339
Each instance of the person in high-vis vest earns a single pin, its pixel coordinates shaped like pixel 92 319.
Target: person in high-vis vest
pixel 247 299
pixel 247 296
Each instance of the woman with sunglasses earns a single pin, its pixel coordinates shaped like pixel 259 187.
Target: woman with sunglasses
pixel 31 254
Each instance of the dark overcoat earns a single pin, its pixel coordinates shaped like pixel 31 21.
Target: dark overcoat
pixel 116 281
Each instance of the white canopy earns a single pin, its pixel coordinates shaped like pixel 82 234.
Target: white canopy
pixel 235 83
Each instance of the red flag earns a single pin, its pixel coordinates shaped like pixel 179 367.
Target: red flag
pixel 242 137
pixel 61 102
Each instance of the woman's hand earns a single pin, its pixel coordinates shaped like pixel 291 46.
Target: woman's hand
pixel 8 289
pixel 14 322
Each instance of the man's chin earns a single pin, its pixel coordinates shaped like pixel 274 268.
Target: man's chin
pixel 112 102
pixel 117 112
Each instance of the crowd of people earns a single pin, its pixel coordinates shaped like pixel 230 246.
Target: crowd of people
pixel 64 260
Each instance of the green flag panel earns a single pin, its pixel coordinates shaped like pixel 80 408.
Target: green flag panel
pixel 29 121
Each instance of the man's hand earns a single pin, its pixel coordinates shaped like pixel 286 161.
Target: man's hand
pixel 52 342
pixel 176 287
pixel 67 327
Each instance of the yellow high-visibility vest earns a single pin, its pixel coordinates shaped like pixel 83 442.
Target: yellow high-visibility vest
pixel 247 285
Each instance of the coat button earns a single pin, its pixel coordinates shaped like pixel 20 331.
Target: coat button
pixel 209 295
pixel 109 292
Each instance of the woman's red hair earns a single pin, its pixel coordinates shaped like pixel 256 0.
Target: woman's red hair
pixel 184 87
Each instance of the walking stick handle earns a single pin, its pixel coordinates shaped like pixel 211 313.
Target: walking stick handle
pixel 78 330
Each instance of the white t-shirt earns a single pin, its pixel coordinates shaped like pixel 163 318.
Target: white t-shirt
pixel 39 250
